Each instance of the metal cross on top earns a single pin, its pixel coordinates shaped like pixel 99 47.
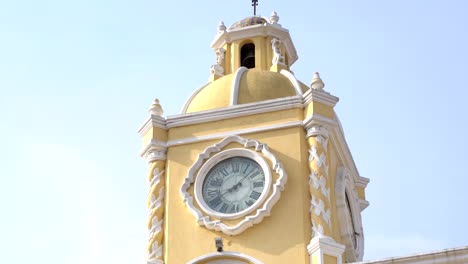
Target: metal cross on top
pixel 255 4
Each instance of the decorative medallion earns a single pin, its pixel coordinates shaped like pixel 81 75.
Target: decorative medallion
pixel 234 188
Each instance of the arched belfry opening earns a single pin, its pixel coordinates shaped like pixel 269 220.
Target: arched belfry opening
pixel 248 56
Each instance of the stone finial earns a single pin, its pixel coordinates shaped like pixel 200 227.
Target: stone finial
pixel 221 27
pixel 274 18
pixel 156 108
pixel 317 83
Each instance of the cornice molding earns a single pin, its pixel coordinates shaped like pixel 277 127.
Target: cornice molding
pixel 234 111
pixel 190 140
pixel 320 97
pixel 152 121
pixel 155 150
pixel 362 182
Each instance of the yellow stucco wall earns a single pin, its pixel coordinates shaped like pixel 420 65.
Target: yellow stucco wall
pixel 280 238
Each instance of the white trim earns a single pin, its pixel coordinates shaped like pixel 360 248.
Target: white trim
pixel 235 84
pixel 219 157
pixel 320 97
pixel 348 225
pixel 189 100
pixel 228 254
pixel 317 119
pixel 234 111
pixel 362 182
pixel 154 150
pixel 325 245
pixel 152 121
pixel 248 221
pixel 293 80
pixel 244 131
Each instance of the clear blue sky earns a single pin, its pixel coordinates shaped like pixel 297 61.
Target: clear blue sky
pixel 77 78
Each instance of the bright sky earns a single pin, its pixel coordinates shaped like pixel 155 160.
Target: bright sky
pixel 77 78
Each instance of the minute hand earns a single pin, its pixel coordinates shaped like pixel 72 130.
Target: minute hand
pixel 245 177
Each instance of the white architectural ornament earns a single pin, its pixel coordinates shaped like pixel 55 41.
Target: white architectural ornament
pixel 319 182
pixel 320 246
pixel 156 150
pixel 349 218
pixel 278 56
pixel 217 69
pixel 317 229
pixel 221 27
pixel 317 83
pixel 274 18
pixel 155 253
pixel 318 207
pixel 155 108
pixel 260 212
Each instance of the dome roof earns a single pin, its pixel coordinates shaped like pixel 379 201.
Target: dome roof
pixel 249 21
pixel 243 87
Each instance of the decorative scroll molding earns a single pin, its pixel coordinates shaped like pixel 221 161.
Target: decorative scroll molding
pixel 250 220
pixel 320 209
pixel 156 213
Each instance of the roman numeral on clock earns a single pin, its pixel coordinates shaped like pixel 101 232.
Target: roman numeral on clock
pixel 234 208
pixel 258 184
pixel 249 203
pixel 224 208
pixel 224 172
pixel 216 182
pixel 235 167
pixel 213 192
pixel 255 195
pixel 215 202
pixel 254 174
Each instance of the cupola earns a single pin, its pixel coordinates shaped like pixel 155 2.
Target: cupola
pixel 253 58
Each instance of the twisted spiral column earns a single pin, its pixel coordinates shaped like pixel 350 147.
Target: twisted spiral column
pixel 156 209
pixel 319 186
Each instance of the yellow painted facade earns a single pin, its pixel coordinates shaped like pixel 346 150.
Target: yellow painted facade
pixel 268 105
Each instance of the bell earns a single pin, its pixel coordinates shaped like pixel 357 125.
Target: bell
pixel 249 61
pixel 248 56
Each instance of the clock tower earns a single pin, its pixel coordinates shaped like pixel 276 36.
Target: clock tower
pixel 255 168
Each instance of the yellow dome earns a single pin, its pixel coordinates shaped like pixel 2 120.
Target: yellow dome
pixel 243 87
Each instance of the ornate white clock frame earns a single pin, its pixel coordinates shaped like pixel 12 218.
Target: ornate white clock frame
pixel 252 148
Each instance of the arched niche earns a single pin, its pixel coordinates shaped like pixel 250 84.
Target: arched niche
pixel 349 216
pixel 225 257
pixel 247 55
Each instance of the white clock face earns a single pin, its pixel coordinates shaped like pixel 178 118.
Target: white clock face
pixel 233 185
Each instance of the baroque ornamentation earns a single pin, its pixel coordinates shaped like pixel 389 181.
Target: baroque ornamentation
pixel 320 209
pixel 259 213
pixel 217 69
pixel 278 56
pixel 156 212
